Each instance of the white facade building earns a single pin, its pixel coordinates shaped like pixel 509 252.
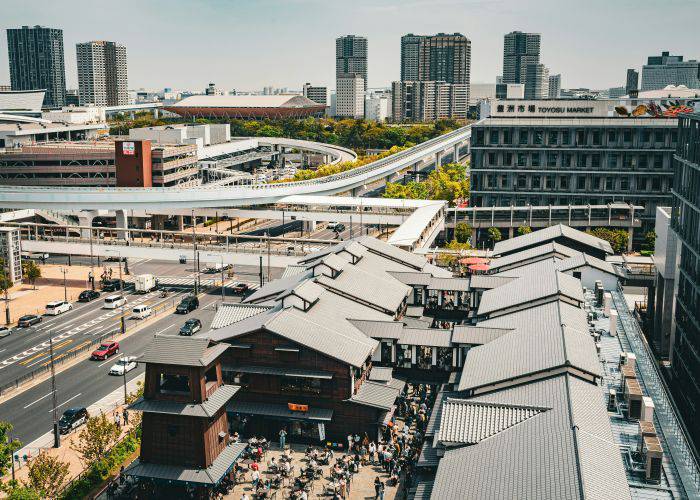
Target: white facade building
pixel 378 107
pixel 316 94
pixel 10 252
pixel 350 96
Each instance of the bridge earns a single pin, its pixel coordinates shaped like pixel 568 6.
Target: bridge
pixel 122 199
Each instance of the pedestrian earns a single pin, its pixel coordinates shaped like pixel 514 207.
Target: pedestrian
pixel 381 491
pixel 117 420
pixel 126 417
pixel 283 438
pixel 372 451
pixel 244 497
pixel 350 440
pixel 255 478
pixel 377 487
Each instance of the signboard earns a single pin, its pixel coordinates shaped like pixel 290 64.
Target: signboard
pixel 128 148
pixel 297 407
pixel 321 431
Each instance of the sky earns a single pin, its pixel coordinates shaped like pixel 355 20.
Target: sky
pixel 249 44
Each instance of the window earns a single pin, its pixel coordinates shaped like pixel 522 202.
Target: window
pixel 552 137
pixel 597 138
pixel 581 182
pixel 624 184
pixel 643 161
pixel 536 181
pixel 493 137
pixel 609 183
pixel 595 183
pixel 171 383
pixel 658 161
pixel 522 182
pixel 595 160
pixel 565 137
pixel 522 137
pixel 539 137
pixel 492 158
pixel 386 352
pixel 612 160
pixel 580 137
pixel 549 182
pixel 656 183
pixel 522 159
pixel 536 157
pixel 642 183
pixel 551 159
pixel 646 136
pixel 612 136
pixel 627 135
pixel 506 136
pixel 300 385
pixel 507 159
pixel 564 182
pixel 566 160
pixel 658 136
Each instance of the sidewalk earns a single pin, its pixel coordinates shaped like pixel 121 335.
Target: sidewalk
pixel 107 405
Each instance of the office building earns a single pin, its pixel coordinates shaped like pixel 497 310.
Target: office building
pixel 685 357
pixel 663 70
pixel 442 57
pixel 351 57
pixel 536 81
pixel 37 62
pixel 350 96
pixel 562 152
pixel 519 51
pixel 316 94
pixel 554 90
pixel 102 73
pixel 510 90
pixel 632 83
pixel 426 101
pixel 378 106
pixel 11 254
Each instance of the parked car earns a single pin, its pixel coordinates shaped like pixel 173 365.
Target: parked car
pixel 58 307
pixel 5 332
pixel 124 365
pixel 114 302
pixel 28 320
pixel 187 304
pixel 113 285
pixel 239 287
pixel 141 311
pixel 191 327
pixel 338 227
pixel 88 295
pixel 71 419
pixel 107 348
pixel 115 259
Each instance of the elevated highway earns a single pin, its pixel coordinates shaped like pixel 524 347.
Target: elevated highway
pixel 121 199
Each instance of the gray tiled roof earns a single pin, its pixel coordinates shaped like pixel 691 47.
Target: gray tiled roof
pixel 293 270
pixel 333 261
pixel 378 329
pixel 469 422
pixel 540 252
pixel 582 259
pixel 376 394
pixel 412 277
pixel 412 322
pixel 207 409
pixel 542 341
pixel 181 351
pixel 566 452
pixel 274 288
pixel 423 490
pixel 392 252
pixel 432 337
pixel 450 284
pixel 229 313
pixel 211 475
pixel 476 335
pixel 247 325
pixel 487 282
pixel 277 370
pixel 279 410
pixel 437 271
pixel 548 234
pixel 415 311
pixel 307 290
pixel 381 374
pixel 525 290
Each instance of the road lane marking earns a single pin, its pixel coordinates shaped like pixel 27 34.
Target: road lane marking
pixel 33 402
pixel 66 401
pixel 109 360
pixel 167 327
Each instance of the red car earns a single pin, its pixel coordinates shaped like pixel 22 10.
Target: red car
pixel 107 348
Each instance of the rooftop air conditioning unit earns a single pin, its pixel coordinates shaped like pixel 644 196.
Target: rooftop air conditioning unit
pixel 646 429
pixel 612 400
pixel 632 359
pixel 654 455
pixel 613 323
pixel 647 409
pixel 607 301
pixel 633 395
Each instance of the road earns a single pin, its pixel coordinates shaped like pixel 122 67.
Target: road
pixel 86 382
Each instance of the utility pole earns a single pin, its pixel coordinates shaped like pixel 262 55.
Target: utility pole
pixel 223 290
pixel 56 432
pixel 268 257
pixel 65 289
pixel 7 294
pixel 126 360
pixel 260 272
pixel 122 322
pixel 194 253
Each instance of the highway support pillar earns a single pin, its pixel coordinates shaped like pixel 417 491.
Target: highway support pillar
pixel 438 159
pixel 455 155
pixel 122 223
pixel 85 219
pixel 180 222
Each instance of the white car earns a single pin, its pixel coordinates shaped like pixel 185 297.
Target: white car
pixel 58 307
pixel 141 312
pixel 123 365
pixel 114 301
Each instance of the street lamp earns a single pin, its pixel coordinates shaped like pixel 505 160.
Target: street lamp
pixel 122 326
pixel 223 290
pixel 65 289
pixel 56 431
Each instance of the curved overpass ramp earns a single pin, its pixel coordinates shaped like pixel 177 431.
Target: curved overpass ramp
pixel 337 154
pixel 75 198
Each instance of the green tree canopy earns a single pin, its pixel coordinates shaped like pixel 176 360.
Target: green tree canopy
pixel 7 447
pixel 98 435
pixel 463 232
pixel 47 474
pixel 618 238
pixel 449 183
pixel 494 234
pixel 524 230
pixel 30 271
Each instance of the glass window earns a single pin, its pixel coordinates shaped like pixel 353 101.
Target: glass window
pixel 522 159
pixel 564 182
pixel 646 136
pixel 641 183
pixel 658 160
pixel 300 385
pixel 609 183
pixel 424 357
pixel 612 160
pixel 597 138
pixel 656 183
pixel 658 136
pixel 627 135
pixel 581 182
pixel 506 136
pixel 535 181
pixel 444 358
pixel 522 182
pixel 612 136
pixel 493 137
pixel 536 160
pixel 492 158
pixel 170 383
pixel 549 182
pixel 539 137
pixel 643 160
pixel 624 183
pixel 552 137
pixel 507 159
pixel 551 159
pixel 565 137
pixel 522 137
pixel 580 137
pixel 595 160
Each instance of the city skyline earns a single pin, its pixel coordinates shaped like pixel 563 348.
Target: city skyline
pixel 309 27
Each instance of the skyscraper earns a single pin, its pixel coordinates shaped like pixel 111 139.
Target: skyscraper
pixel 632 81
pixel 351 56
pixel 36 62
pixel 350 96
pixel 102 73
pixel 554 86
pixel 663 70
pixel 536 81
pixel 519 50
pixel 441 57
pixel 428 100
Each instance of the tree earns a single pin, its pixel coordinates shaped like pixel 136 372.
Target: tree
pixel 31 271
pixel 494 234
pixel 618 238
pixel 463 232
pixel 7 447
pixel 5 283
pixel 19 492
pixel 98 435
pixel 46 475
pixel 524 230
pixel 649 240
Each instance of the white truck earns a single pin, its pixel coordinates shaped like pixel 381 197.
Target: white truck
pixel 144 283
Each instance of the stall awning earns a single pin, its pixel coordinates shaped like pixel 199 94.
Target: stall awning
pixel 209 476
pixel 279 411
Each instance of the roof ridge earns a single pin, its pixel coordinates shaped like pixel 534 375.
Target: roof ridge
pixel 494 404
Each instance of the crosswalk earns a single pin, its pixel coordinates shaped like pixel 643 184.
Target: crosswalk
pixel 188 281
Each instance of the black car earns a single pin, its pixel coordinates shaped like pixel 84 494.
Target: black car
pixel 28 320
pixel 71 419
pixel 88 295
pixel 191 327
pixel 187 304
pixel 339 228
pixel 113 285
